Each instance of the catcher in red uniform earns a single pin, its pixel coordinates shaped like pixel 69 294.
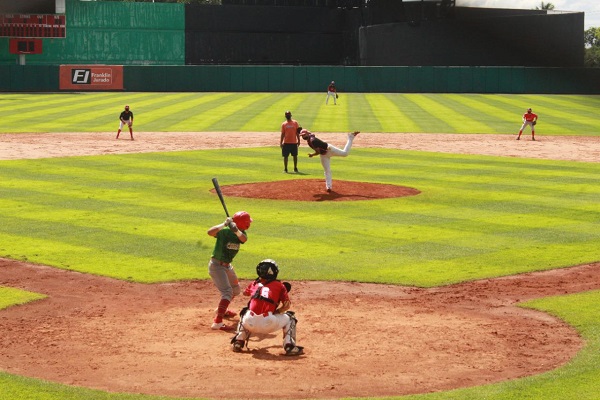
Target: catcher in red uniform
pixel 267 310
pixel 529 118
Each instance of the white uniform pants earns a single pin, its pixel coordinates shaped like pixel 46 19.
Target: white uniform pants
pixel 333 151
pixel 528 123
pixel 258 323
pixel 127 122
pixel 333 95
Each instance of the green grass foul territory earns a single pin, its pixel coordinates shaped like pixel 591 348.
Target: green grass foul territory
pixel 263 112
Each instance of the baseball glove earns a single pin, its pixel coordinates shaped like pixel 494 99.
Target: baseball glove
pixel 288 286
pixel 336 96
pixel 534 122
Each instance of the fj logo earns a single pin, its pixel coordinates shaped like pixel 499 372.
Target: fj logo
pixel 81 76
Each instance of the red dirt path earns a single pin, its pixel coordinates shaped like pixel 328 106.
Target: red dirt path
pixel 367 340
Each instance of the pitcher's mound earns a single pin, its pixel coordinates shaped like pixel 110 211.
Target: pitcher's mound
pixel 314 190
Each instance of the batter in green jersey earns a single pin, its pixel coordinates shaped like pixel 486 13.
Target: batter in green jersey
pixel 230 235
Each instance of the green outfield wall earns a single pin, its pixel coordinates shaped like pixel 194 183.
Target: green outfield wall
pixel 114 33
pixel 45 78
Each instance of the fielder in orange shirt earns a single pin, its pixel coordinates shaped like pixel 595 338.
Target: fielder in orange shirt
pixel 289 141
pixel 529 119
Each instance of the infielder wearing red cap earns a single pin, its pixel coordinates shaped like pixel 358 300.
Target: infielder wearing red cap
pixel 231 234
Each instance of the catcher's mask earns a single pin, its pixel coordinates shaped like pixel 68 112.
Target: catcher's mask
pixel 267 269
pixel 242 220
pixel 288 114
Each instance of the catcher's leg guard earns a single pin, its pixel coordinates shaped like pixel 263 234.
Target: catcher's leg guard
pixel 241 335
pixel 289 337
pixel 289 331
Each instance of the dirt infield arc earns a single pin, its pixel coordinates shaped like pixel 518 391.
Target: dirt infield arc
pixel 367 340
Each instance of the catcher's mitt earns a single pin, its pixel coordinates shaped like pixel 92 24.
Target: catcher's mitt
pixel 534 122
pixel 336 96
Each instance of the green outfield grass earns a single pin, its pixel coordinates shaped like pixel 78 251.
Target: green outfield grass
pixel 144 217
pixel 263 112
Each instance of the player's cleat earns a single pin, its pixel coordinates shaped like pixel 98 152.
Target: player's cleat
pixel 291 350
pixel 295 169
pixel 532 138
pixel 220 326
pixel 518 138
pixel 355 133
pixel 229 314
pixel 285 171
pixel 237 346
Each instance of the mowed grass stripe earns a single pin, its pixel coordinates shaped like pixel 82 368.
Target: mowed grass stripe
pixel 261 114
pixel 236 105
pixel 167 110
pixel 448 184
pixel 82 111
pixel 432 113
pixel 257 108
pixel 495 118
pixel 364 118
pixel 391 117
pixel 558 110
pixel 548 122
pixel 191 117
pixel 42 110
pixel 333 118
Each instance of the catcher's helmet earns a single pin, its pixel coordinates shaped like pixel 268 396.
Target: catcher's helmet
pixel 288 114
pixel 267 269
pixel 242 220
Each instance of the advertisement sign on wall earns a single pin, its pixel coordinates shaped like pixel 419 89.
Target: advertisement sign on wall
pixel 91 77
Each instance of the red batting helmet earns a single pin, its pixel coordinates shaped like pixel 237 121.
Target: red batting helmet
pixel 242 220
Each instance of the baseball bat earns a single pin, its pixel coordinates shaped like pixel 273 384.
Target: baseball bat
pixel 220 194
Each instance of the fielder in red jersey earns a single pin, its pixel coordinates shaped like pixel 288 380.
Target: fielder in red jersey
pixel 529 119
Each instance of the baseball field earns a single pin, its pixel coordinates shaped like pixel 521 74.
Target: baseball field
pixel 478 278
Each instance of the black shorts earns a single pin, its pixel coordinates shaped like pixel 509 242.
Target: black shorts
pixel 289 148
